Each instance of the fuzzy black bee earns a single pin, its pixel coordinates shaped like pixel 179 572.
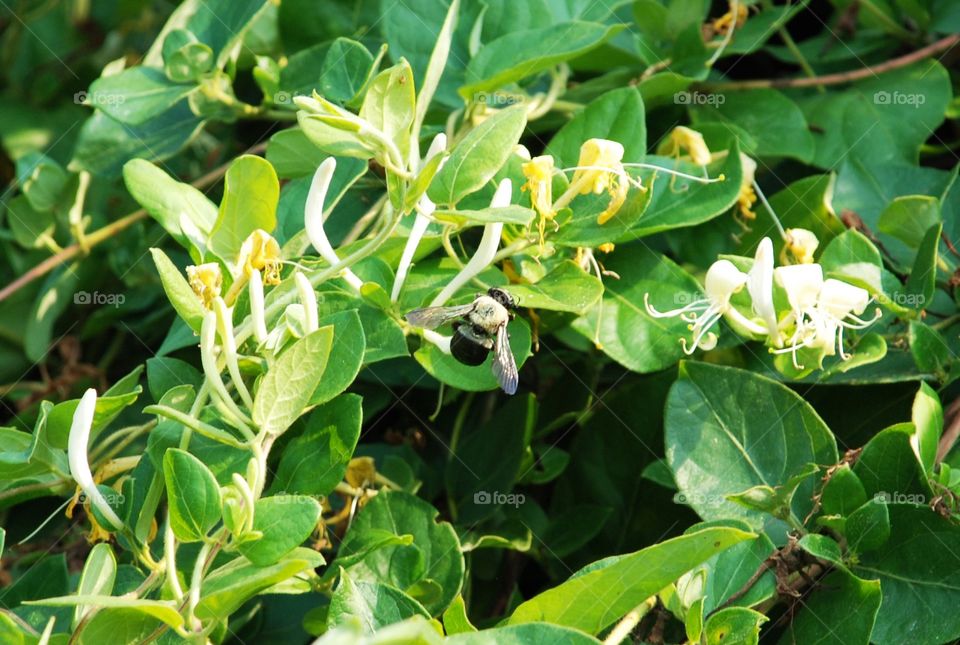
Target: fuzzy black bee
pixel 478 328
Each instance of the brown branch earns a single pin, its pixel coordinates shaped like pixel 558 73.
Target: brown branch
pixel 951 432
pixel 105 233
pixel 840 77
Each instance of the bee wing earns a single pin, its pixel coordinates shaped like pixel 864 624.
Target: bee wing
pixel 433 317
pixel 504 365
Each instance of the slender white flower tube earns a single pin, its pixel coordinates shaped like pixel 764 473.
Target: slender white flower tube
pixel 313 219
pixel 760 288
pixel 77 457
pixel 308 298
pixel 485 252
pixel 229 344
pixel 424 208
pixel 257 312
pixel 442 342
pixel 208 359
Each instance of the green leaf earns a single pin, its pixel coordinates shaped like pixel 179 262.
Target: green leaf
pixel 843 493
pixel 390 103
pixel 922 282
pixel 316 461
pixel 455 620
pixel 167 200
pixel 346 355
pixel 718 445
pixel 566 288
pixel 478 156
pixel 618 115
pixel 285 521
pixel 227 588
pixel 42 181
pixel 486 463
pixel 930 350
pixel 889 467
pixel 622 582
pixel 434 556
pixel 375 604
pixel 285 391
pixel 163 610
pixel 527 634
pixel 733 625
pixel 909 218
pixel 192 494
pixel 845 604
pixel 30 227
pixel 58 292
pixel 185 302
pixel 868 527
pixel 137 94
pixel 620 322
pixel 853 258
pixel 250 194
pixel 927 417
pixel 775 122
pixel 823 547
pixel 918 590
pixel 97 579
pixel 520 54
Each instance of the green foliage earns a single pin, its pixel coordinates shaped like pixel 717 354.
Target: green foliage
pixel 735 418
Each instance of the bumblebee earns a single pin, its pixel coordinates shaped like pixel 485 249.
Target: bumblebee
pixel 478 329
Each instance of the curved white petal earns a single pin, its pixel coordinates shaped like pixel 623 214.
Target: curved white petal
pixel 308 298
pixel 760 287
pixel 487 250
pixel 313 219
pixel 77 456
pixel 257 311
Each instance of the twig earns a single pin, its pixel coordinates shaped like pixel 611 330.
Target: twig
pixel 840 77
pixel 107 232
pixel 628 622
pixel 951 432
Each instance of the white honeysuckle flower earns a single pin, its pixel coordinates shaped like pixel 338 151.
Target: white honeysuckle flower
pixel 313 219
pixel 760 288
pixel 723 279
pixel 229 344
pixel 799 245
pixel 308 298
pixel 802 284
pixel 836 306
pixel 424 212
pixel 77 457
pixel 487 250
pixel 211 371
pixel 257 311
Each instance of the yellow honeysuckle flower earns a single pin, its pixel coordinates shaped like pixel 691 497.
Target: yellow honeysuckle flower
pixel 539 174
pixel 600 168
pixel 684 138
pixel 205 280
pixel 261 252
pixel 724 23
pixel 799 246
pixel 748 196
pixel 606 247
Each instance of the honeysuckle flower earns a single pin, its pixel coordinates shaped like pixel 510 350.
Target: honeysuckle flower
pixel 684 138
pixel 313 219
pixel 600 168
pixel 206 281
pixel 211 371
pixel 748 196
pixel 760 288
pixel 77 457
pixel 539 173
pixel 722 281
pixel 441 341
pixel 308 298
pixel 229 344
pixel 802 284
pixel 731 19
pixel 424 212
pixel 606 247
pixel 799 246
pixel 261 252
pixel 257 311
pixel 838 306
pixel 485 252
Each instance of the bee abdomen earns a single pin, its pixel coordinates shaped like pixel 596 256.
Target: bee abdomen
pixel 468 350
